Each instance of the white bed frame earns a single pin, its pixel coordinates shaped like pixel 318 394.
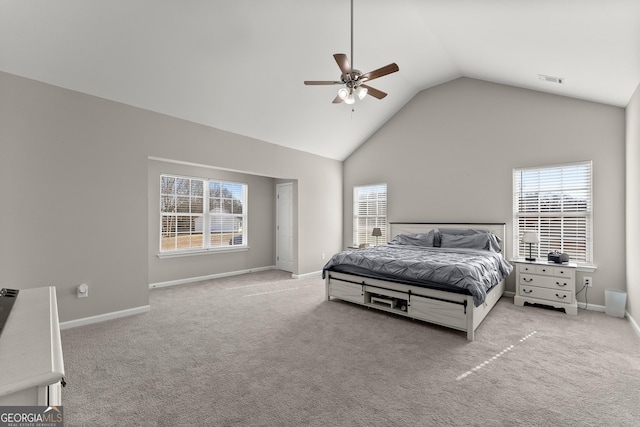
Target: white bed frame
pixel 450 309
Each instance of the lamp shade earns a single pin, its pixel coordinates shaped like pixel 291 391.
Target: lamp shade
pixel 350 99
pixel 361 92
pixel 376 232
pixel 530 237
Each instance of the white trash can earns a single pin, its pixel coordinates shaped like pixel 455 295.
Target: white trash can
pixel 615 301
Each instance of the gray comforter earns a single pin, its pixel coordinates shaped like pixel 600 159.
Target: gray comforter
pixel 475 271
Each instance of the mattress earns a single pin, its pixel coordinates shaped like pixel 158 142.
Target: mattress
pixel 462 270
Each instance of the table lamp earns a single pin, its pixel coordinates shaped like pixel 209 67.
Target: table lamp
pixel 376 233
pixel 530 237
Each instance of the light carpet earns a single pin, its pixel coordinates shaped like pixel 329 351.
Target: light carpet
pixel 263 349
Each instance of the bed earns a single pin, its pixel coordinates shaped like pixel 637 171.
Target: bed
pixel 450 274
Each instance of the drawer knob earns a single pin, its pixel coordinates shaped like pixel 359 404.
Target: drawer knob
pixel 561 284
pixel 527 279
pixel 528 291
pixel 561 296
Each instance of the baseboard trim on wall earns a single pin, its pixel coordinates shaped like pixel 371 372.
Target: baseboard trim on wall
pixel 208 277
pixel 311 275
pixel 103 317
pixel 591 307
pixel 633 322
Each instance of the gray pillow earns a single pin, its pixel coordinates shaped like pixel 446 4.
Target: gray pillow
pixel 472 239
pixel 455 232
pixel 420 239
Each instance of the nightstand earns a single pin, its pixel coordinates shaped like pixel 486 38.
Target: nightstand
pixel 542 282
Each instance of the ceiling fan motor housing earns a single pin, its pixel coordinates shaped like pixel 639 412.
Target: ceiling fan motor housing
pixel 352 80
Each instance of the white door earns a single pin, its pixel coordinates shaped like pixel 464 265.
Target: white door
pixel 284 227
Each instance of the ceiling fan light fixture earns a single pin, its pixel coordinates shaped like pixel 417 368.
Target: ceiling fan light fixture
pixel 351 78
pixel 350 99
pixel 361 92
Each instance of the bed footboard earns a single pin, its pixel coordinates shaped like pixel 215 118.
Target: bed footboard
pixel 449 309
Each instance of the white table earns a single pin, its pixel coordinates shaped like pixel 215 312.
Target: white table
pixel 31 351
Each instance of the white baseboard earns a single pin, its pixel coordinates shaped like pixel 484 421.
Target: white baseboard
pixel 102 317
pixel 591 307
pixel 208 277
pixel 312 275
pixel 634 324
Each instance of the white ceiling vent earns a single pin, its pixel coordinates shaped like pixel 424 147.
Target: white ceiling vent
pixel 551 79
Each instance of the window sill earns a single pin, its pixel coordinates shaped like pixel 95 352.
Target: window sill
pixel 179 254
pixel 587 268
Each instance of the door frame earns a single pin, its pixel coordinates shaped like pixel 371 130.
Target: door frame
pixel 291 207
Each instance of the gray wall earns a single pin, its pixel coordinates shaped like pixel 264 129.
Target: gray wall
pixel 633 205
pixel 74 165
pixel 448 155
pixel 261 220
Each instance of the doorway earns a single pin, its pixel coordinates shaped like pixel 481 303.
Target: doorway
pixel 284 226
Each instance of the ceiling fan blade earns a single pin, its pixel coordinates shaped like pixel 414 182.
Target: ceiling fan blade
pixel 337 100
pixel 343 63
pixel 374 92
pixel 316 82
pixel 387 69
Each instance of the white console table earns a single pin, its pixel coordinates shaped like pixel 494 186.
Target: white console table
pixel 31 351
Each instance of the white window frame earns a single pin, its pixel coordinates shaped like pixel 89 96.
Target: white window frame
pixel 567 226
pixel 378 194
pixel 206 220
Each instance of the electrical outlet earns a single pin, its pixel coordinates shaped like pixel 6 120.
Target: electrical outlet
pixel 83 291
pixel 323 255
pixel 587 281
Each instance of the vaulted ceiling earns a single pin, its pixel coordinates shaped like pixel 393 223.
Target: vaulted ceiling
pixel 239 65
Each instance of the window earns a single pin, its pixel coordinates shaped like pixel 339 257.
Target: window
pixel 555 201
pixel 189 206
pixel 369 212
pixel 182 209
pixel 227 213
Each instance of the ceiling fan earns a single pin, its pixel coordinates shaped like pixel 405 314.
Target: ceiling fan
pixel 352 80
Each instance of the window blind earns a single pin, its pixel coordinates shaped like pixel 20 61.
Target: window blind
pixel 369 212
pixel 556 202
pixel 181 211
pixel 227 202
pixel 187 211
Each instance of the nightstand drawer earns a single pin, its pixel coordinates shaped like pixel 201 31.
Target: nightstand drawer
pixel 526 268
pixel 561 283
pixel 545 270
pixel 547 294
pixel 564 272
